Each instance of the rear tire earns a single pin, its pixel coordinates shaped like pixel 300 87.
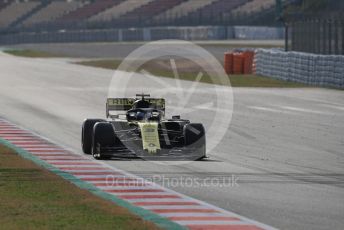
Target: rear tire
pixel 194 135
pixel 87 134
pixel 103 136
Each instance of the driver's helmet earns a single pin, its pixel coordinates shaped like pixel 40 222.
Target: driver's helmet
pixel 142 104
pixel 140 115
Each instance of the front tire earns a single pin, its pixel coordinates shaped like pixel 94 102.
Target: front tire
pixel 194 134
pixel 103 136
pixel 87 134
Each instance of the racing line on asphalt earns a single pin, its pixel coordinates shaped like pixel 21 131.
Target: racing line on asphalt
pixel 181 209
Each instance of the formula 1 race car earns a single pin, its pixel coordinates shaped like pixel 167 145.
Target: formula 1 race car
pixel 142 132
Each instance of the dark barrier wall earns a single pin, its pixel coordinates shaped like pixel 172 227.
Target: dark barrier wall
pixel 148 34
pixel 319 36
pixel 77 36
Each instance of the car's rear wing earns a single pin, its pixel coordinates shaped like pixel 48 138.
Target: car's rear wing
pixel 124 104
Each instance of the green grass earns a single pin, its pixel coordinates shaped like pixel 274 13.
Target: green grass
pixel 34 198
pixel 236 80
pixel 31 53
pixel 260 81
pixel 104 63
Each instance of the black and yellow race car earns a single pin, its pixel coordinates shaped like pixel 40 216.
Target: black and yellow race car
pixel 142 132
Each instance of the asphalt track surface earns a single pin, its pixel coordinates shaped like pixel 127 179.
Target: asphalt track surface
pixel 280 161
